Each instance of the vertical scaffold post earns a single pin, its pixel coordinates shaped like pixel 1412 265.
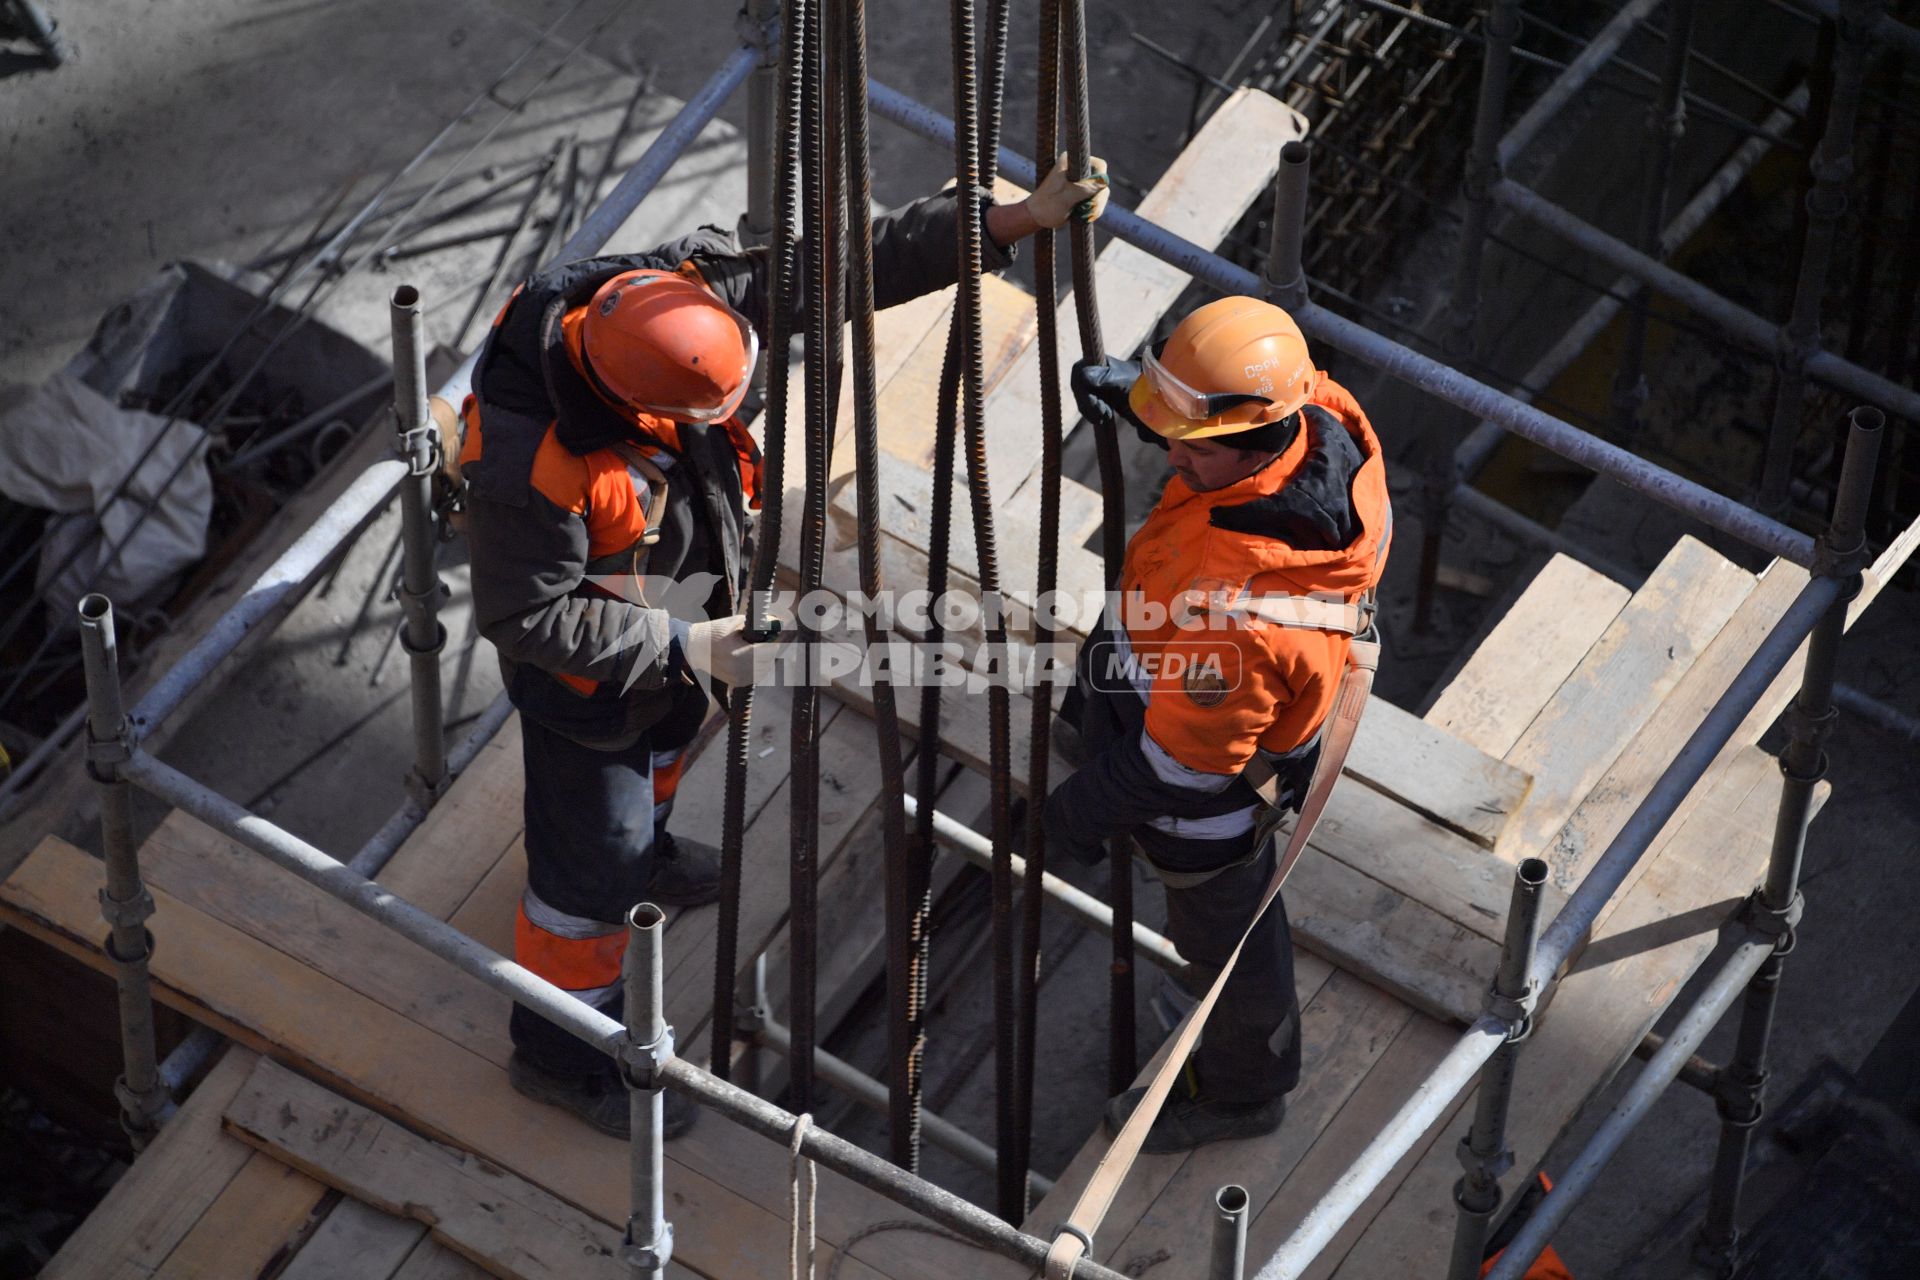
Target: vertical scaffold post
pixel 648 1047
pixel 1666 125
pixel 124 902
pixel 1463 308
pixel 760 19
pixel 1286 276
pixel 1229 1259
pixel 1832 166
pixel 1483 1152
pixel 1774 909
pixel 423 637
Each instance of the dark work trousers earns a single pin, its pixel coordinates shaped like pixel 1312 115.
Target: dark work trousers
pixel 1250 1048
pixel 590 833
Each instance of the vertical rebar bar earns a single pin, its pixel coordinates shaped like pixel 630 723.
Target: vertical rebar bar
pixel 822 284
pixel 1775 908
pixel 1666 125
pixel 1484 1153
pixel 418 445
pixel 125 902
pixel 1832 168
pixel 1286 278
pixel 649 1239
pixel 1228 1260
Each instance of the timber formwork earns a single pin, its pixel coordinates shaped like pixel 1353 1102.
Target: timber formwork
pixel 364 1111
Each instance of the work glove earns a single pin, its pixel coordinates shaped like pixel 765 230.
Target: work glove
pixel 1060 197
pixel 721 650
pixel 1100 388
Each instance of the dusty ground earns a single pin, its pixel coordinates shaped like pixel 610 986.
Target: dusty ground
pixel 215 130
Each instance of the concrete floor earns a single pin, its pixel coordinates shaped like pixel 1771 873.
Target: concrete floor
pixel 218 129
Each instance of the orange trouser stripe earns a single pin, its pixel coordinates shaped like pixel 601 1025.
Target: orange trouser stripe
pixel 574 964
pixel 666 780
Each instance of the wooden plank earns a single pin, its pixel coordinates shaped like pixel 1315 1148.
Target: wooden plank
pixel 355 1239
pixel 465 833
pixel 1363 926
pixel 1202 195
pixel 477 1208
pixel 1528 654
pixel 1619 684
pixel 1410 1059
pixel 1344 1031
pixel 1310 976
pixel 356 1045
pixel 432 1261
pixel 262 1217
pixel 157 1201
pixel 1440 776
pixel 1647 949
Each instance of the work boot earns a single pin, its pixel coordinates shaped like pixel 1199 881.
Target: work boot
pixel 686 873
pixel 600 1098
pixel 1186 1121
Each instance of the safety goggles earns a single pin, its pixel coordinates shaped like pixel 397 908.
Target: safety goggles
pixel 1187 401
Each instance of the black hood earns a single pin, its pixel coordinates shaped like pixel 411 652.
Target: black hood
pixel 1313 511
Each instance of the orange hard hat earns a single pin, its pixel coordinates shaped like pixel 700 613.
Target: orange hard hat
pixel 1230 366
pixel 663 344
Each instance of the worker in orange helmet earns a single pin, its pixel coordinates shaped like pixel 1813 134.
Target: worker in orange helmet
pixel 608 484
pixel 1185 702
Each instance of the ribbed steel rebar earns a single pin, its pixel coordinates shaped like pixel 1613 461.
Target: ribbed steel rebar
pixel 822 262
pixel 902 1099
pixel 967 149
pixel 1052 431
pixel 1122 1060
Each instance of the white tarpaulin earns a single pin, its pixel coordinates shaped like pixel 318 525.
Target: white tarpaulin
pixel 65 449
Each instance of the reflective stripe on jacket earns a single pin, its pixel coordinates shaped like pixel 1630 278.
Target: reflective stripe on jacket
pixel 1176 711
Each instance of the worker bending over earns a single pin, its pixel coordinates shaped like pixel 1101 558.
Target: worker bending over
pixel 603 446
pixel 1278 489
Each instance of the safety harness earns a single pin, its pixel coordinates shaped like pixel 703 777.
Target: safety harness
pixel 1074 1237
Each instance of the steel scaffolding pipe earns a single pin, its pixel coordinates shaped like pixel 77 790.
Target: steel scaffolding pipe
pixel 1753 330
pixel 1775 909
pixel 1228 1260
pixel 582 1021
pixel 1429 375
pixel 1632 1108
pixel 380 847
pixel 423 637
pixel 873 1095
pixel 1484 1154
pixel 1481 442
pixel 124 902
pixel 277 589
pixel 1666 125
pixel 1286 278
pixel 1089 910
pixel 1880 28
pixel 648 1043
pixel 1832 166
pixel 1558 940
pixel 1598 52
pixel 1482 171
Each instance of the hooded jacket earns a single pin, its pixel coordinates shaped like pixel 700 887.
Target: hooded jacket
pixel 556 500
pixel 1176 699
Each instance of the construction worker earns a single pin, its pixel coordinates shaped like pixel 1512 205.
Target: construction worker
pixel 1278 489
pixel 608 488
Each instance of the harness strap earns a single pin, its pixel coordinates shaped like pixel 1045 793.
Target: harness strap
pixel 1350 701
